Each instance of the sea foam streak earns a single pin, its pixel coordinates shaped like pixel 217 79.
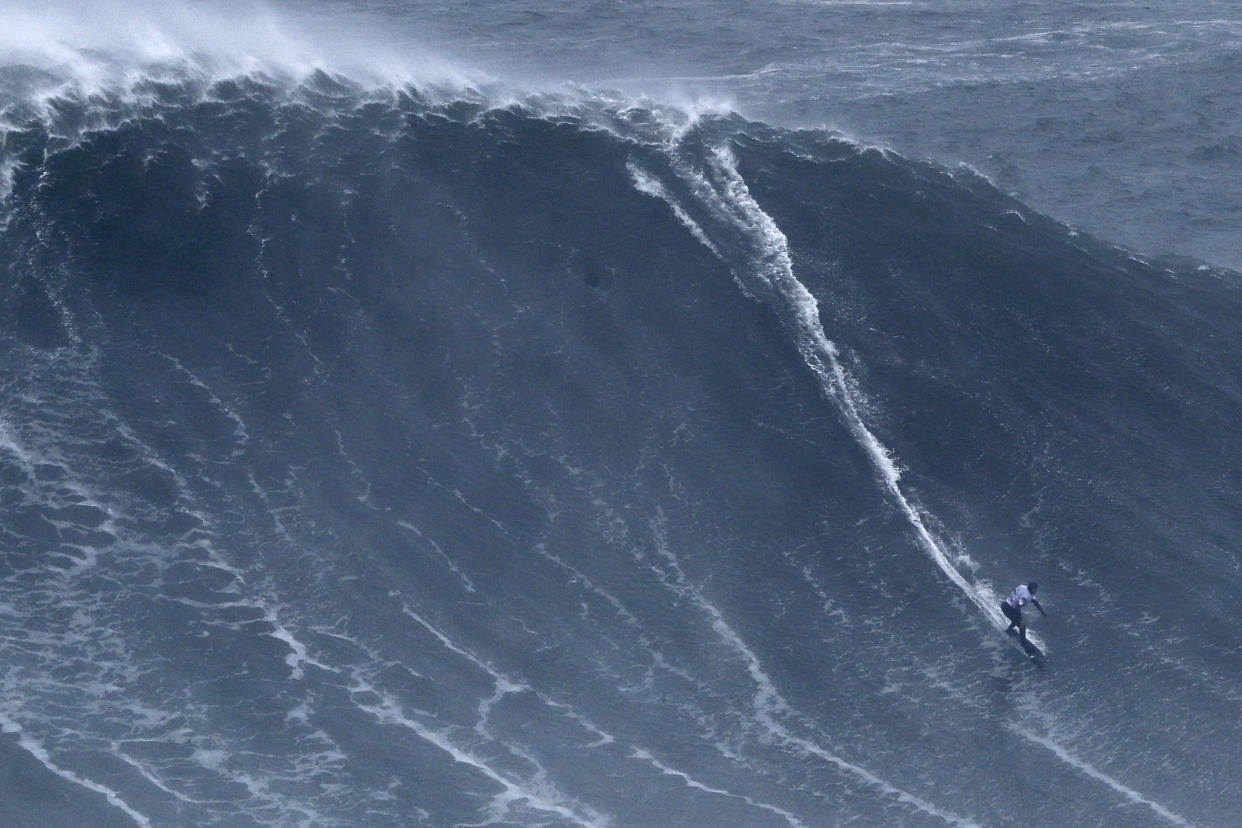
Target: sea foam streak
pixel 36 750
pixel 1129 793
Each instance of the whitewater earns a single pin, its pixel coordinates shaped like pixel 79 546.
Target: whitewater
pixel 394 431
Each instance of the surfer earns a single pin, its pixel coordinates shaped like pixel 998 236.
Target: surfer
pixel 1012 607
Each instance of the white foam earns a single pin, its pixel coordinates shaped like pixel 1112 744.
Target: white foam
pixel 691 782
pixel 444 556
pixel 643 639
pixel 9 443
pixel 603 739
pixel 146 774
pixel 241 434
pixel 298 654
pixel 39 752
pixel 504 685
pixel 355 470
pixel 652 187
pixel 210 758
pixel 1093 772
pixel 8 166
pixel 537 793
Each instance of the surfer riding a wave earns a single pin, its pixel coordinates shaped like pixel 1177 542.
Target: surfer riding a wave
pixel 1012 607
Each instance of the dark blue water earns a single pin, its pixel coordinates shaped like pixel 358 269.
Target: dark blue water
pixel 437 451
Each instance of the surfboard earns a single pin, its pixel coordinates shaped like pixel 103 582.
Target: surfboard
pixel 1032 652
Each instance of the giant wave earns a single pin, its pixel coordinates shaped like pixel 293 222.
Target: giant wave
pixel 422 454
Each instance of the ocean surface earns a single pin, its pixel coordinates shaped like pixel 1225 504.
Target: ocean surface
pixel 620 414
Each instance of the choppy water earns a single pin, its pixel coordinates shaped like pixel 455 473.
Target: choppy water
pixel 383 443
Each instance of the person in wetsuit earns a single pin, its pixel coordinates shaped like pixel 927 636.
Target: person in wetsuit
pixel 1012 607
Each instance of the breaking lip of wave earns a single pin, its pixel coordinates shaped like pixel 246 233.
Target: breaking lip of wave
pixel 103 44
pixel 120 53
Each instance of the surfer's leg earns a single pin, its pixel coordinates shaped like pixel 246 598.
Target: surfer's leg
pixel 1009 613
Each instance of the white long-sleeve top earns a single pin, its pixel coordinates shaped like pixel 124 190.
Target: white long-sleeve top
pixel 1020 596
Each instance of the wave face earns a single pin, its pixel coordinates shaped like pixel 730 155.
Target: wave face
pixel 377 457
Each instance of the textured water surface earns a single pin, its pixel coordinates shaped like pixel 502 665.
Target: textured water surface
pixel 452 449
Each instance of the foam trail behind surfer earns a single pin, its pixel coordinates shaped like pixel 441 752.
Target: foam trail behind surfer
pixel 764 268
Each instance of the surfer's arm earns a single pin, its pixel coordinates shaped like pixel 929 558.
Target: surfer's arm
pixel 1038 607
